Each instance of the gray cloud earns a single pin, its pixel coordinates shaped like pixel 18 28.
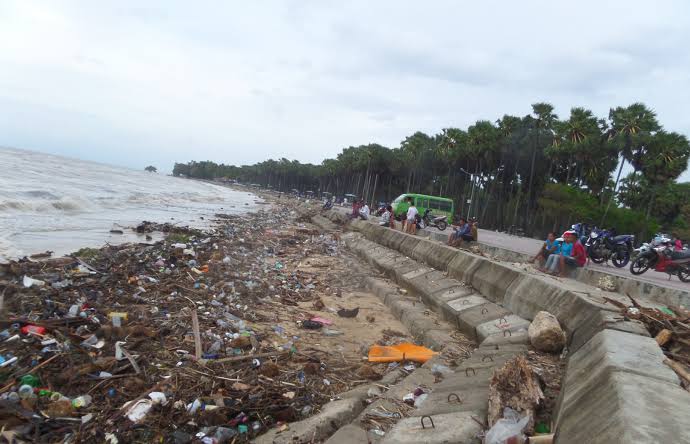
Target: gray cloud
pixel 137 83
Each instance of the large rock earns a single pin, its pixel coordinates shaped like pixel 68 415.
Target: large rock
pixel 545 333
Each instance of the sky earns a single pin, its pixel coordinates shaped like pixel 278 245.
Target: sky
pixel 135 83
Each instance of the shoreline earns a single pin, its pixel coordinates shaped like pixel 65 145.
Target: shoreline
pixel 119 321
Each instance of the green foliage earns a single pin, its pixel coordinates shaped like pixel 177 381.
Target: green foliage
pixel 569 203
pixel 151 169
pixel 534 171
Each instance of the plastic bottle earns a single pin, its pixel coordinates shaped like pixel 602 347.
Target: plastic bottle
pixel 31 380
pixel 81 401
pixel 33 329
pixel 26 391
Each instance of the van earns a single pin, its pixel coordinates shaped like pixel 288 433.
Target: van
pixel 438 205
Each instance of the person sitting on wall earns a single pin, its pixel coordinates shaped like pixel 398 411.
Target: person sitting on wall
pixel 549 247
pixel 364 211
pixel 461 232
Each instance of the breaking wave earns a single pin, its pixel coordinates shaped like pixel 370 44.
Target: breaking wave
pixel 44 193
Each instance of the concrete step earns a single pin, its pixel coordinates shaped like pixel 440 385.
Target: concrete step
pixel 456 427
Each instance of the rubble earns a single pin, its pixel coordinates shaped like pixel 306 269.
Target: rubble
pixel 670 326
pixel 545 333
pixel 200 337
pixel 517 387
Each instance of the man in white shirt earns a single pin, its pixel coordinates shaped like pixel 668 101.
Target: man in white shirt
pixel 411 225
pixel 364 212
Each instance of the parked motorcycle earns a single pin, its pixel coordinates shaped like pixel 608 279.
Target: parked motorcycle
pixel 658 240
pixel 440 222
pixel 664 259
pixel 602 246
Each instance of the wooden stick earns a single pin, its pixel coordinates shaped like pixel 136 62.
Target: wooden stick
pixel 678 368
pixel 663 337
pixel 33 370
pixel 243 357
pixel 197 334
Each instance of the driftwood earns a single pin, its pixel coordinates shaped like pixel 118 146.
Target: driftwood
pixel 679 369
pixel 514 385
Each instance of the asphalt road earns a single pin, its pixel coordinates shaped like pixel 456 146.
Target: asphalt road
pixel 531 246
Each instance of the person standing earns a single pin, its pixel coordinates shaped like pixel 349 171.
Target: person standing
pixel 412 213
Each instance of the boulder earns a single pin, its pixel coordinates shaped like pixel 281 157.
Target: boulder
pixel 545 333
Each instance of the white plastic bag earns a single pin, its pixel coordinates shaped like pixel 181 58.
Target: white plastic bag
pixel 509 426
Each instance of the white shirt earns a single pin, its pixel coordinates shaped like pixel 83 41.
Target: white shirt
pixel 364 211
pixel 386 217
pixel 412 213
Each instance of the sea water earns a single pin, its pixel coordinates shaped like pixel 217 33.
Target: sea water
pixel 49 202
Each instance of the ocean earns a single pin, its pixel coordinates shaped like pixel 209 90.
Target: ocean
pixel 49 202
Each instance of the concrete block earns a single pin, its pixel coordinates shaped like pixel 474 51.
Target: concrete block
pixel 451 309
pixel 469 319
pixel 402 267
pixel 473 400
pixel 434 254
pixel 318 427
pixel 408 244
pixel 349 434
pixel 463 266
pixel 438 339
pixel 616 351
pixel 532 293
pixel 625 408
pixel 520 337
pixel 492 279
pixel 511 323
pixel 448 428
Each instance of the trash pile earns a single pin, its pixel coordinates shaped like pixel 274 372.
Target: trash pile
pixel 670 326
pixel 203 337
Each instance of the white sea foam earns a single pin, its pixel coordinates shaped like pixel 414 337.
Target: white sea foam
pixel 50 202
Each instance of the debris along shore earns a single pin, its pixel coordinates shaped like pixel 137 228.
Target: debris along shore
pixel 212 337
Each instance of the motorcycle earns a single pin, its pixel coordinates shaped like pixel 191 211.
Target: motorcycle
pixel 440 222
pixel 664 259
pixel 658 240
pixel 602 246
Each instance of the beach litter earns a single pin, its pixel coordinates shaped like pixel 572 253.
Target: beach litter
pixel 194 335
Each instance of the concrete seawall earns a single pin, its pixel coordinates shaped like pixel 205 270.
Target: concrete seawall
pixel 616 388
pixel 625 285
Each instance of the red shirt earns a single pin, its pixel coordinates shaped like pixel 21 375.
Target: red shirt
pixel 579 254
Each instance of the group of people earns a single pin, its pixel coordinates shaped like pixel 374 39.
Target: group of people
pixel 464 231
pixel 360 209
pixel 560 257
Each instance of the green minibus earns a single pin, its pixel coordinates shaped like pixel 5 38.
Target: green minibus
pixel 438 205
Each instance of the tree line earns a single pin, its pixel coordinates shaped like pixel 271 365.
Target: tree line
pixel 537 172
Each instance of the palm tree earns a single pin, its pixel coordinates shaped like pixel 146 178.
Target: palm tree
pixel 630 131
pixel 666 159
pixel 579 135
pixel 545 119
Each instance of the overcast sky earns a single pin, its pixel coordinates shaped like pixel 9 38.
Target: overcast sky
pixel 154 82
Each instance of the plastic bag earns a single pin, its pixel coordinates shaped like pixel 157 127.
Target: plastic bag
pixel 511 425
